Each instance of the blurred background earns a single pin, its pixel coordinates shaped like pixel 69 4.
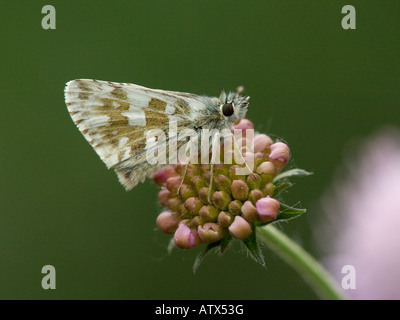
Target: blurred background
pixel 312 83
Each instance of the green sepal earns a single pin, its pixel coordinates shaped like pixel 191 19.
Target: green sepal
pixel 291 173
pixel 285 213
pixel 280 187
pixel 253 246
pixel 224 243
pixel 200 257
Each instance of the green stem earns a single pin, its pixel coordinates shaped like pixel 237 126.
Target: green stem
pixel 311 271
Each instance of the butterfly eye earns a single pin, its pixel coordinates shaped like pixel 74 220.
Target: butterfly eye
pixel 227 109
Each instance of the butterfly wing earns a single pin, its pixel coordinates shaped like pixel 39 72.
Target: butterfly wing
pixel 114 117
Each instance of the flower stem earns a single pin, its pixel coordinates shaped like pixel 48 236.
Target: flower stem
pixel 311 271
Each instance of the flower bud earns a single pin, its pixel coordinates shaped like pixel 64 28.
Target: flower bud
pixel 167 222
pixel 259 158
pixel 229 157
pixel 221 200
pixel 245 145
pixel 249 211
pixel 253 181
pixel 269 189
pixel 206 177
pixel 267 209
pixel 248 161
pixel 235 207
pixel 243 125
pixel 240 228
pixel 179 168
pixel 209 213
pixel 174 204
pixel 161 177
pixel 267 171
pixel 186 238
pixel 279 154
pixel 240 190
pixel 261 143
pixel 210 232
pixel 255 195
pixel 192 170
pixel 225 219
pixel 220 168
pixel 197 183
pixel 223 183
pixel 186 192
pixel 197 221
pixel 193 205
pixel 182 210
pixel 173 184
pixel 203 194
pixel 204 167
pixel 163 197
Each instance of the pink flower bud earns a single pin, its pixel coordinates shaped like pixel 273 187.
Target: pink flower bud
pixel 280 153
pixel 209 213
pixel 240 190
pixel 245 145
pixel 197 221
pixel 210 232
pixel 206 177
pixel 253 181
pixel 185 192
pixel 221 200
pixel 266 168
pixel 267 209
pixel 261 142
pixel 174 204
pixel 163 197
pixel 197 183
pixel 240 228
pixel 269 189
pixel 203 194
pixel 249 212
pixel 186 238
pixel 255 195
pixel 225 219
pixel 243 125
pixel 193 205
pixel 181 210
pixel 235 206
pixel 173 184
pixel 223 183
pixel 259 158
pixel 162 176
pixel 249 160
pixel 167 222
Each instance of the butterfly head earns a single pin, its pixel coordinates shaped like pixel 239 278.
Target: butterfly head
pixel 233 107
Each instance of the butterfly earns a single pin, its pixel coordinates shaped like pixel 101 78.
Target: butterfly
pixel 116 117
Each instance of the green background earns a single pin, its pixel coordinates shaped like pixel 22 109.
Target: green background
pixel 311 83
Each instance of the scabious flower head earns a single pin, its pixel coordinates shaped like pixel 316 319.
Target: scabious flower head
pixel 234 204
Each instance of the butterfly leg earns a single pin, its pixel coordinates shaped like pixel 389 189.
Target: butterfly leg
pixel 214 153
pixel 185 169
pixel 183 177
pixel 240 153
